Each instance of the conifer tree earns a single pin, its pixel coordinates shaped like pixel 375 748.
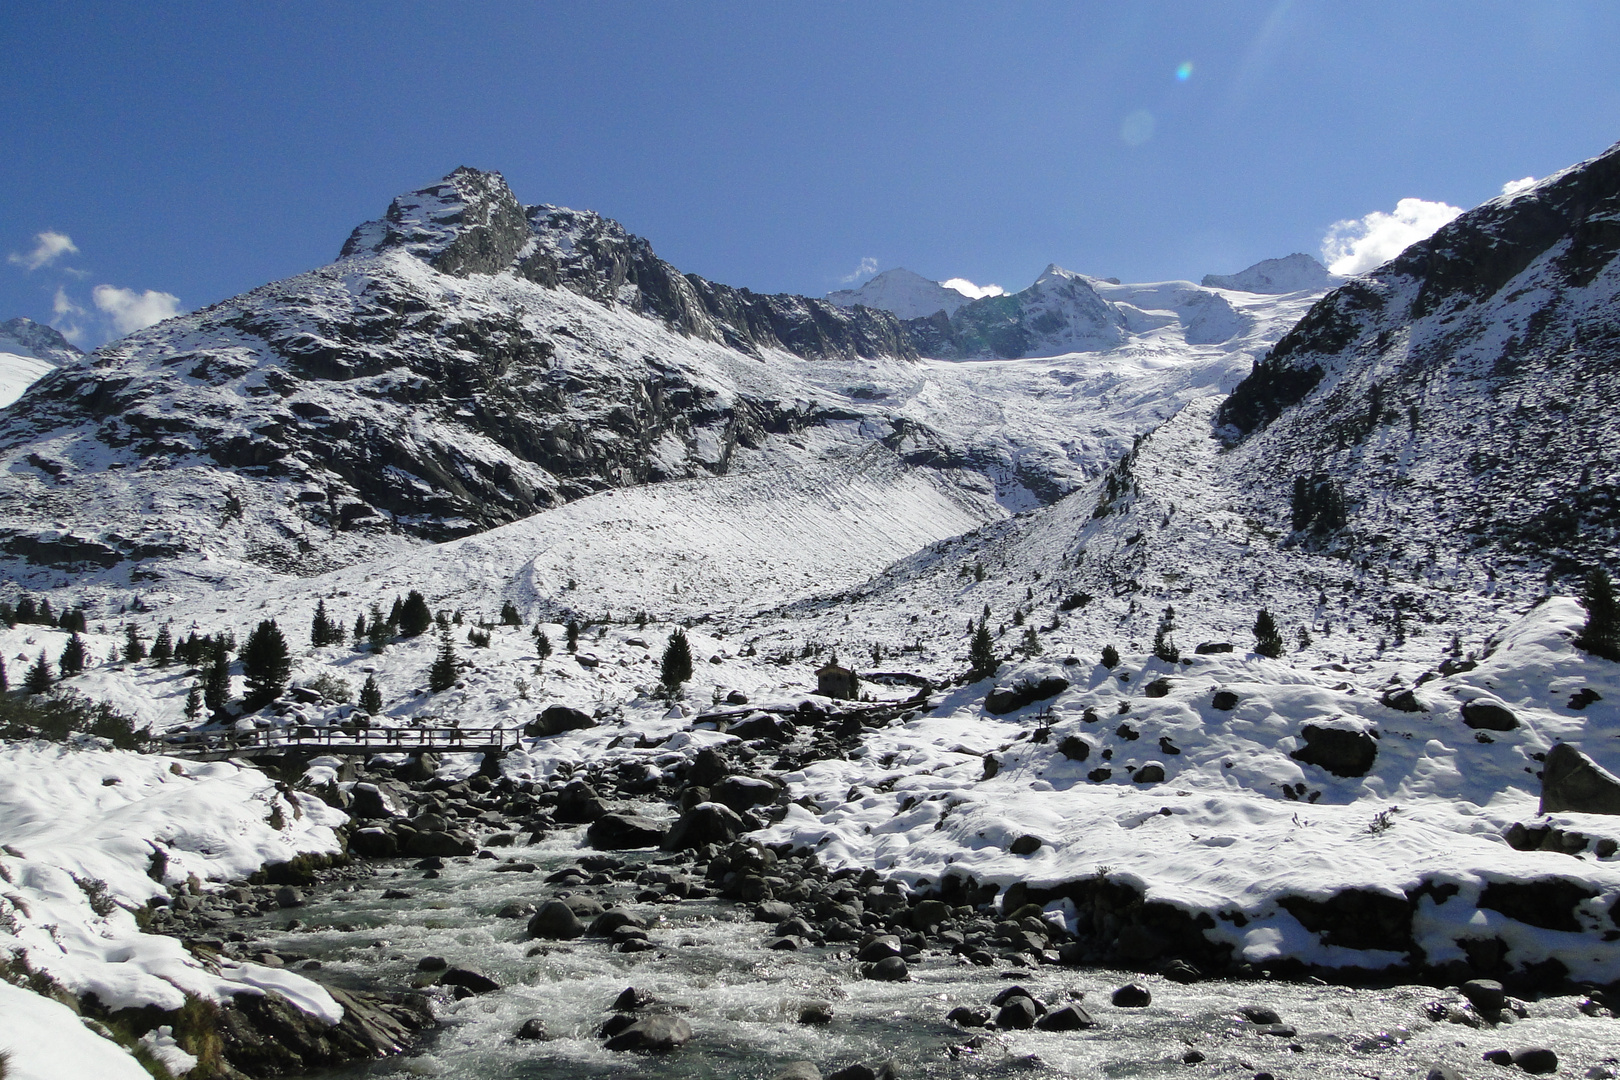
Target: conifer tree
pixel 27 611
pixel 1110 657
pixel 216 674
pixel 4 683
pixel 163 646
pixel 571 634
pixel 38 680
pixel 1032 642
pixel 509 615
pixel 396 612
pixel 73 620
pixel 1267 638
pixel 71 662
pixel 371 701
pixel 1601 634
pixel 1164 638
pixel 982 653
pixel 194 702
pixel 134 647
pixel 377 632
pixel 322 630
pixel 266 665
pixel 542 642
pixel 442 675
pixel 47 617
pixel 414 615
pixel 676 666
pixel 359 630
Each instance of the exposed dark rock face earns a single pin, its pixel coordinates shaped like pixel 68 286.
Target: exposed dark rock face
pixel 1572 781
pixel 1341 751
pixel 1004 699
pixel 266 1035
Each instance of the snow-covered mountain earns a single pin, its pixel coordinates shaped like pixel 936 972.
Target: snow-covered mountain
pixel 28 352
pixel 908 295
pixel 1292 273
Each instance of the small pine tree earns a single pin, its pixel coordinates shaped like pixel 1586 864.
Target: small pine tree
pixel 323 630
pixel 414 615
pixel 38 680
pixel 5 684
pixel 509 615
pixel 442 675
pixel 377 634
pixel 27 611
pixel 1110 657
pixel 371 701
pixel 641 620
pixel 359 634
pixel 1267 639
pixel 47 617
pixel 71 662
pixel 982 653
pixel 163 647
pixel 134 647
pixel 1304 637
pixel 1164 638
pixel 571 634
pixel 1601 634
pixel 1032 642
pixel 73 620
pixel 676 666
pixel 266 665
pixel 216 674
pixel 542 642
pixel 194 702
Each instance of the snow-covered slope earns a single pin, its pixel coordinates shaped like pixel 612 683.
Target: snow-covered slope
pixel 1292 273
pixel 907 294
pixel 28 352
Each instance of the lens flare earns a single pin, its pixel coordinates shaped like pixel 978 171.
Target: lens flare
pixel 1184 71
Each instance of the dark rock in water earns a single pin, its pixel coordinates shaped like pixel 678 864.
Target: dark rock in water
pixel 533 1028
pixel 578 803
pixel 287 897
pixel 614 1024
pixel 1025 845
pixel 445 844
pixel 1179 971
pixel 1402 699
pixel 929 913
pixel 969 1016
pixel 1132 996
pixel 785 943
pixel 1008 993
pixel 798 1070
pixel 1017 1013
pixel 1485 995
pixel 515 910
pixel 557 719
pixel 1069 1017
pixel 632 999
pixel 1074 748
pixel 432 963
pixel 1488 715
pixel 1224 700
pixel 586 907
pixel 705 823
pixel 1004 699
pixel 609 921
pixel 1341 751
pixel 816 1012
pixel 473 980
pixel 555 920
pixel 878 947
pixel 374 843
pixel 1443 1072
pixel 889 969
pixel 1572 781
pixel 1536 1059
pixel 1260 1014
pixel 1192 1057
pixel 620 832
pixel 861 1071
pixel 655 1034
pixel 773 911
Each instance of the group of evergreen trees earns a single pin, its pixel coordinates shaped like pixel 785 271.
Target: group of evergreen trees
pixel 28 611
pixel 1318 504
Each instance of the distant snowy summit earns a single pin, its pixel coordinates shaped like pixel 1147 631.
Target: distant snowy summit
pixel 1274 277
pixel 910 295
pixel 29 352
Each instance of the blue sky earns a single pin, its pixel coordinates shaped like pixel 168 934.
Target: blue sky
pixel 199 150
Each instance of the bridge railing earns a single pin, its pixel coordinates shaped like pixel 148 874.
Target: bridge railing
pixel 377 740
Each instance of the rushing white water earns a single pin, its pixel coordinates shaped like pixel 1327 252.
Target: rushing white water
pixel 743 1000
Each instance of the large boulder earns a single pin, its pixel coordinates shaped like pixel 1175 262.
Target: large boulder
pixel 555 920
pixel 578 802
pixel 1341 751
pixel 557 719
pixel 1488 715
pixel 743 793
pixel 619 832
pixel 1036 686
pixel 705 823
pixel 1572 781
pixel 444 844
pixel 655 1034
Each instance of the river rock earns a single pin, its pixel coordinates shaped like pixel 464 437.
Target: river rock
pixel 705 823
pixel 1572 781
pixel 621 832
pixel 374 843
pixel 1536 1059
pixel 610 921
pixel 1017 1013
pixel 1070 1017
pixel 555 920
pixel 798 1070
pixel 889 969
pixel 862 1071
pixel 1260 1014
pixel 366 801
pixel 578 802
pixel 816 1013
pixel 287 897
pixel 1132 996
pixel 1444 1072
pixel 533 1028
pixel 444 844
pixel 655 1034
pixel 969 1016
pixel 470 978
pixel 1027 844
pixel 632 999
pixel 1485 995
pixel 743 793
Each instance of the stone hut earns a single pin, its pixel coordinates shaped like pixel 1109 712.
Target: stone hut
pixel 836 681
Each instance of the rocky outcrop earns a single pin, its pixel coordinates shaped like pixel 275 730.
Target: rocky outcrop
pixel 1572 781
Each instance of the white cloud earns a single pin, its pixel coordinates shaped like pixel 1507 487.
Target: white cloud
pixel 1356 246
pixel 69 316
pixel 1513 187
pixel 972 291
pixel 867 268
pixel 48 247
pixel 131 311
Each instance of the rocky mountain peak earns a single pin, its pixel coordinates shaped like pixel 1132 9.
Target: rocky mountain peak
pixel 467 223
pixel 24 337
pixel 1291 273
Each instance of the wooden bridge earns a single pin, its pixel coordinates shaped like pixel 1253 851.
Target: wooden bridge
pixel 313 742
